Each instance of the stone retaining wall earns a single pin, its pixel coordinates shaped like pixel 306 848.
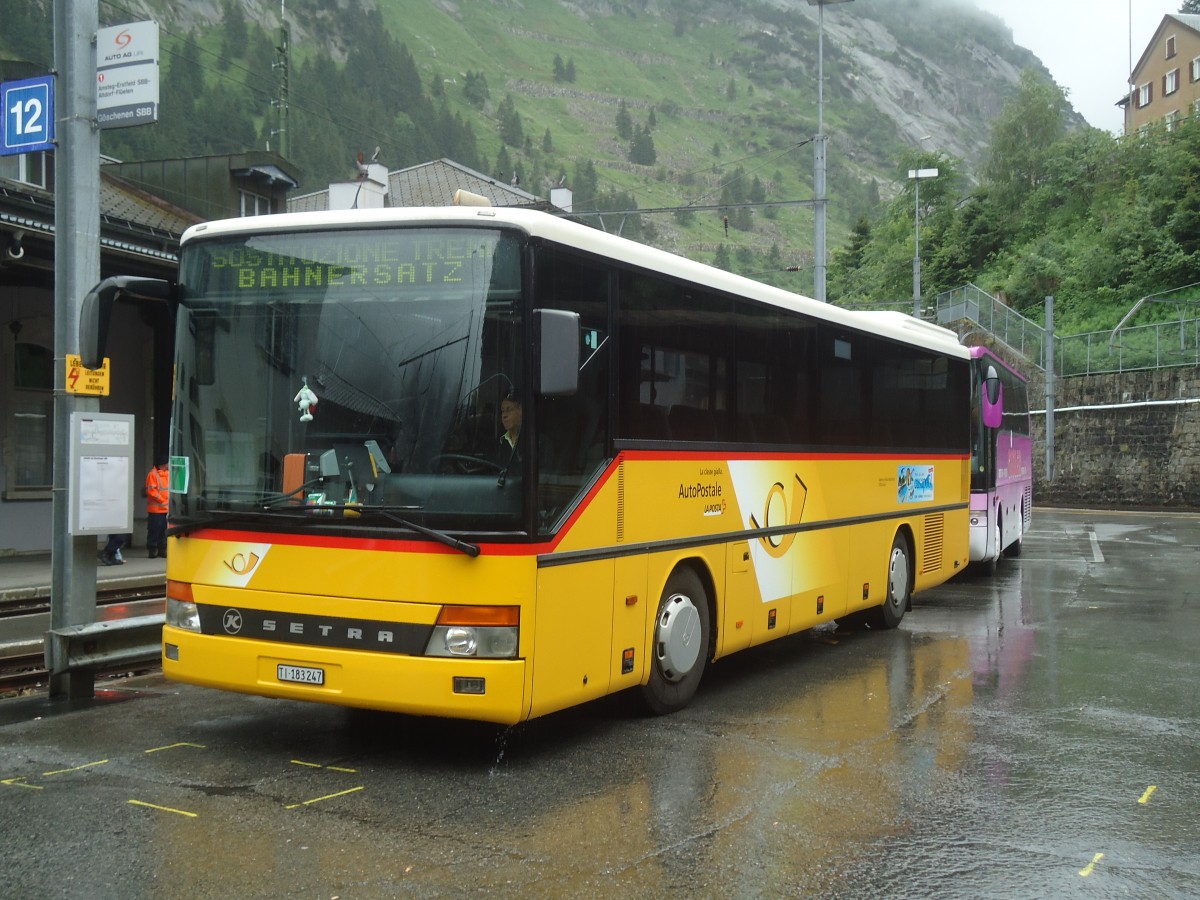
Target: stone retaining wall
pixel 1128 439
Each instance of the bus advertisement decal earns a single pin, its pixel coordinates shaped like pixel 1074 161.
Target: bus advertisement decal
pixel 914 484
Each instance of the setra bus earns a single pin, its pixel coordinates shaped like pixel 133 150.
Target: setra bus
pixel 700 463
pixel 1001 460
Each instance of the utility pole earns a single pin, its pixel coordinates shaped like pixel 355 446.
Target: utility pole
pixel 1049 389
pixel 819 198
pixel 76 270
pixel 282 57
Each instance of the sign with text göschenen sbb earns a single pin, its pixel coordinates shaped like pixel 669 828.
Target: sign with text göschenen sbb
pixel 127 75
pixel 28 115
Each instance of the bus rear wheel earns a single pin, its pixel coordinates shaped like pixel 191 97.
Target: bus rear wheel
pixel 899 587
pixel 680 651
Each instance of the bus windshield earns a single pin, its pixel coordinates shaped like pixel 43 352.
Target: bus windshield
pixel 350 374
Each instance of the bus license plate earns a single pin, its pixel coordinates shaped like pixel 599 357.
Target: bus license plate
pixel 301 674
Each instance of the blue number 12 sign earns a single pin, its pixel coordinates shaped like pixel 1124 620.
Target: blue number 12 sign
pixel 28 107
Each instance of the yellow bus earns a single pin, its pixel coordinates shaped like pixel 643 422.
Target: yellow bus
pixel 490 463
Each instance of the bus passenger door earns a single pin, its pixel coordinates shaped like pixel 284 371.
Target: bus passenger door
pixel 572 635
pixel 741 600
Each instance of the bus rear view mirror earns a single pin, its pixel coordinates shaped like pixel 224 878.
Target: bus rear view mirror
pixel 95 313
pixel 557 334
pixel 993 399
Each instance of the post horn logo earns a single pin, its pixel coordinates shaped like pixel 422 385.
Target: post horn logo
pixel 242 563
pixel 776 512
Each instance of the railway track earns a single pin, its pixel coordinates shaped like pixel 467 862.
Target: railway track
pixel 24 622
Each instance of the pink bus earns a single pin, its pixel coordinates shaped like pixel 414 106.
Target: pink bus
pixel 1001 460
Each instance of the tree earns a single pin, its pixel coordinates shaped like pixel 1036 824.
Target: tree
pixel 570 70
pixel 624 122
pixel 475 89
pixel 547 142
pixel 511 130
pixel 641 148
pixel 234 36
pixel 560 71
pixel 721 258
pixel 1021 138
pixel 1191 7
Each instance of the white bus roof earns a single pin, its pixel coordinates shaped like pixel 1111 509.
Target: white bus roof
pixel 894 325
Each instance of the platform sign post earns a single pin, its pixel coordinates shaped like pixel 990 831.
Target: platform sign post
pixel 28 115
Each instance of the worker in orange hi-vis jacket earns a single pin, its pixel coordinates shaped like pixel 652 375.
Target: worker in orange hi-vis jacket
pixel 156 508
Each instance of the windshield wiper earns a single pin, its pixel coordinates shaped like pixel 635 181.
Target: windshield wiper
pixel 472 550
pixel 315 514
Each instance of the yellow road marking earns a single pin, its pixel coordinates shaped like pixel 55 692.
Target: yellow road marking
pixel 98 762
pixel 326 797
pixel 173 746
pixel 300 762
pixel 178 812
pixel 1090 867
pixel 1145 798
pixel 19 781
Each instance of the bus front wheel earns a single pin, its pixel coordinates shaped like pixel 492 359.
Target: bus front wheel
pixel 899 586
pixel 680 651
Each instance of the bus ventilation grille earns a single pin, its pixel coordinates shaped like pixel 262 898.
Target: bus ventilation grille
pixel 620 502
pixel 935 534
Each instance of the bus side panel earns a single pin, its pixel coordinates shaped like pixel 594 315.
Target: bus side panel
pixel 633 605
pixel 819 563
pixel 573 635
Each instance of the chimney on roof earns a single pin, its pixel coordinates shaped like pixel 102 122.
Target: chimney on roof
pixel 369 190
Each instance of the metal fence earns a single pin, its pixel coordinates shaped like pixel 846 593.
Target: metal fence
pixel 1133 348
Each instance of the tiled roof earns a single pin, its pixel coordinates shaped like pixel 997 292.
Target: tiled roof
pixel 120 200
pixel 432 184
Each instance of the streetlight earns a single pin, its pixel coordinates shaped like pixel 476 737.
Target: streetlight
pixel 819 156
pixel 916 175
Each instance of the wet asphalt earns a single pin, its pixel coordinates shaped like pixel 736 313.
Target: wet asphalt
pixel 1031 734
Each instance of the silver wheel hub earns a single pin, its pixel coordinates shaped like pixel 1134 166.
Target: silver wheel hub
pixel 677 643
pixel 898 577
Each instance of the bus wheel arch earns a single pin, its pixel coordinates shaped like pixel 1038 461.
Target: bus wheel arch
pixel 682 639
pixel 897 598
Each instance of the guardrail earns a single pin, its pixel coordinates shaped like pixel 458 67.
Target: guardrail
pixel 101 645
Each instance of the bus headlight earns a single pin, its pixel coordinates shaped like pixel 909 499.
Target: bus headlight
pixel 481 632
pixel 182 614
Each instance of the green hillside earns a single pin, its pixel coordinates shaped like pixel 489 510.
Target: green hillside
pixel 643 104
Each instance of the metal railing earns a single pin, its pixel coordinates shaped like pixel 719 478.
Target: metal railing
pixel 1021 334
pixel 1155 346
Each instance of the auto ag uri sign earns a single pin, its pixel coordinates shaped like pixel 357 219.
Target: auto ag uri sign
pixel 127 75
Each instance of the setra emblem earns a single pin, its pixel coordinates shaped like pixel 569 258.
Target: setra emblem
pixel 232 621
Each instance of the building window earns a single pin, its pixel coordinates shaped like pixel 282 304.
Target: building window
pixel 28 168
pixel 1196 69
pixel 1170 82
pixel 254 204
pixel 29 449
pixel 1170 46
pixel 1196 108
pixel 1172 119
pixel 1145 95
